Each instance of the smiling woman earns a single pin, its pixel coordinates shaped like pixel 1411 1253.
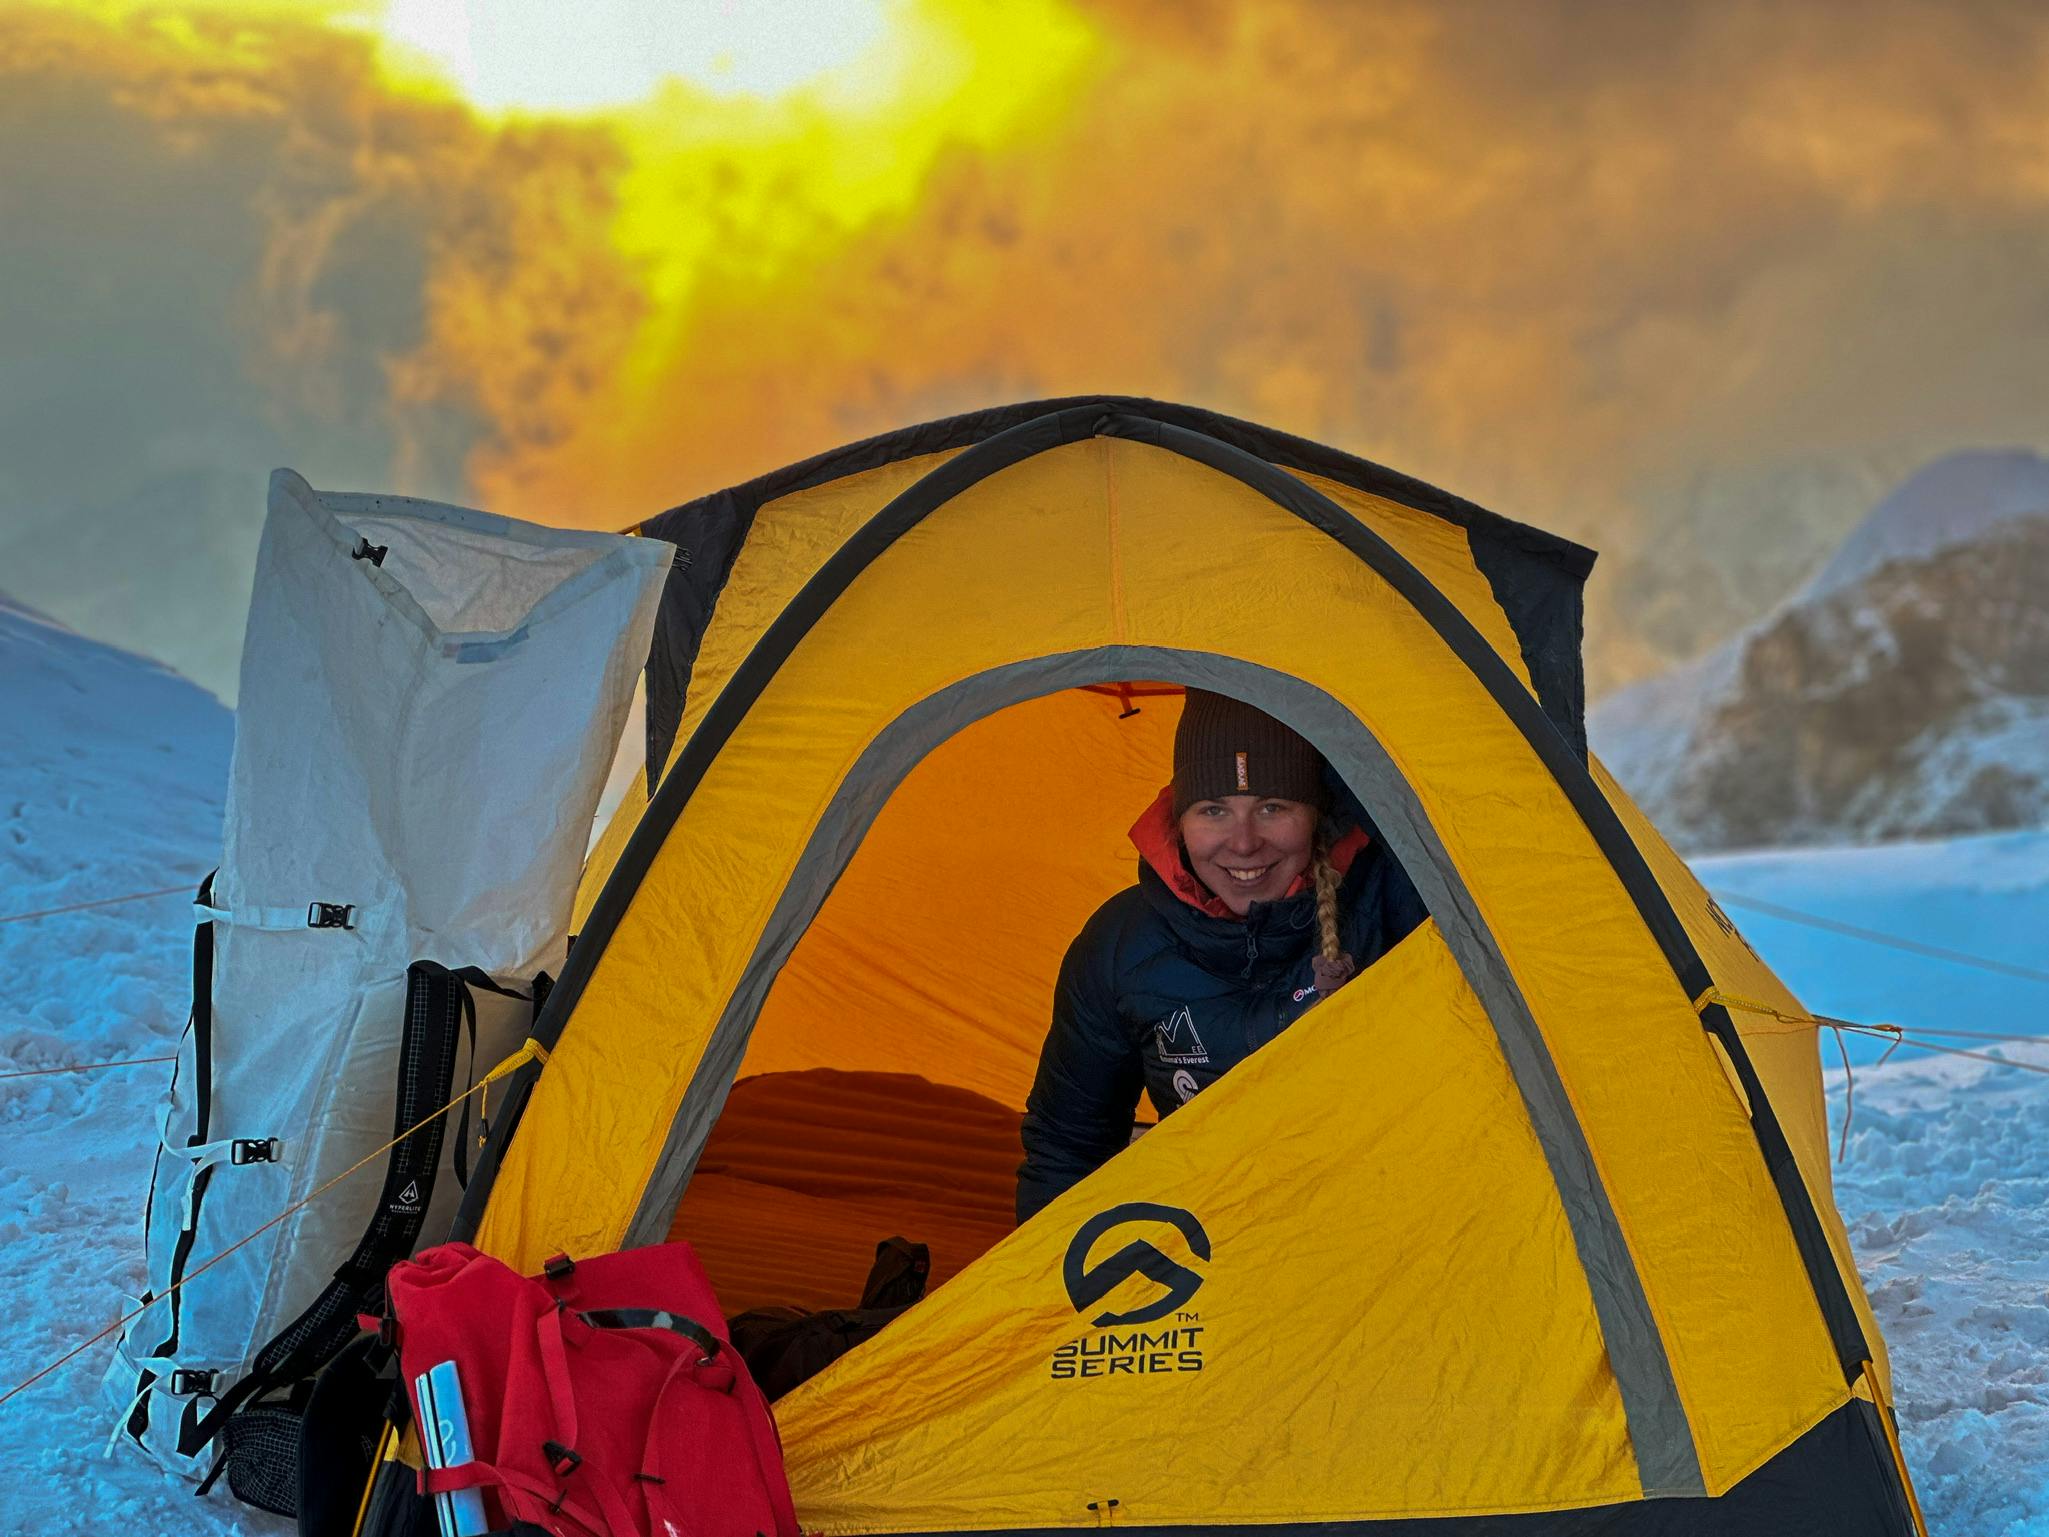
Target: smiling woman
pixel 1259 895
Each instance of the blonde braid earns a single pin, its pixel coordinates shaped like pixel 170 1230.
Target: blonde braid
pixel 1331 966
pixel 1327 901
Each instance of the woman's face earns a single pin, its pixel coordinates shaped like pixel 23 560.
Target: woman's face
pixel 1248 848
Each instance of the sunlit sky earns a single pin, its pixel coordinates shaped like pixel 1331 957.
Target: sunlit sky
pixel 1694 282
pixel 517 55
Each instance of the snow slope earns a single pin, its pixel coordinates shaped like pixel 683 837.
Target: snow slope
pixel 111 783
pixel 1956 500
pixel 1945 1189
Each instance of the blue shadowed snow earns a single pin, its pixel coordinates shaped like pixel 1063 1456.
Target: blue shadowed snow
pixel 112 775
pixel 1987 897
pixel 1944 1186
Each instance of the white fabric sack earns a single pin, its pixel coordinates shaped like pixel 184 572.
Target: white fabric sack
pixel 422 737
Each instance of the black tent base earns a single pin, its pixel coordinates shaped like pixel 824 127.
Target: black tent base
pixel 1837 1480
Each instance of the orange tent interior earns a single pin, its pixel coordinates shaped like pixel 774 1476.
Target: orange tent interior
pixel 883 1086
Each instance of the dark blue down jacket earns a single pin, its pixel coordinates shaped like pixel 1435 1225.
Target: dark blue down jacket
pixel 1156 994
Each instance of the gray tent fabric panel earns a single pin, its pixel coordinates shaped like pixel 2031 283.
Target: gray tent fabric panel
pixel 1666 1459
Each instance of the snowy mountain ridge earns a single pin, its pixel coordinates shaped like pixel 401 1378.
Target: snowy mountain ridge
pixel 1903 692
pixel 1955 500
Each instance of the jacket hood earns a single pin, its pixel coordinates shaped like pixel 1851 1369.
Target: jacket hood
pixel 1158 843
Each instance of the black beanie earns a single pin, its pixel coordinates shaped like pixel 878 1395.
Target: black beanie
pixel 1224 746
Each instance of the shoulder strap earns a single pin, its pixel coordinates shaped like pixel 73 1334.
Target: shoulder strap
pixel 201 1026
pixel 732 1381
pixel 594 1482
pixel 768 1449
pixel 476 978
pixel 759 1423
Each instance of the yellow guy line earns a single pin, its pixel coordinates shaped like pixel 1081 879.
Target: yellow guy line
pixel 530 1050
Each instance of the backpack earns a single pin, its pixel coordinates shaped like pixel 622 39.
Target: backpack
pixel 603 1396
pixel 417 680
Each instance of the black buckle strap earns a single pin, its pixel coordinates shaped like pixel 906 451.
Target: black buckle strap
pixel 558 1267
pixel 201 1030
pixel 213 1474
pixel 255 1150
pixel 192 1380
pixel 330 915
pixel 365 550
pixel 561 1459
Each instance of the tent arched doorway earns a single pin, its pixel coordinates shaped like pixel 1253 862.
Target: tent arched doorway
pixel 927 961
pixel 880 1087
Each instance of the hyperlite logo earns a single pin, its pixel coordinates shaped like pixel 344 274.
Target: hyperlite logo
pixel 1125 1349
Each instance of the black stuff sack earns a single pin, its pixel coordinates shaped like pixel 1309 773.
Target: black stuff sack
pixel 786 1346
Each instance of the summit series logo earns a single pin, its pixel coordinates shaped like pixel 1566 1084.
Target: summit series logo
pixel 1087 1286
pixel 1174 1348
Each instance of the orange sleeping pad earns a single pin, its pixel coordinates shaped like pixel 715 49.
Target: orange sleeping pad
pixel 806 1172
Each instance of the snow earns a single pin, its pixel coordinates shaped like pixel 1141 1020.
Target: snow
pixel 1955 500
pixel 1945 1190
pixel 112 783
pixel 1945 1182
pixel 2001 738
pixel 1644 733
pixel 1986 897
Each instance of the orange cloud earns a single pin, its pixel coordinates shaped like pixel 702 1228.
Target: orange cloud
pixel 1686 281
pixel 1558 257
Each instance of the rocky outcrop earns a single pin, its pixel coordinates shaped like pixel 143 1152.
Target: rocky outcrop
pixel 1904 692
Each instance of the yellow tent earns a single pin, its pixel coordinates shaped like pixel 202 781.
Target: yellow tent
pixel 1520 1231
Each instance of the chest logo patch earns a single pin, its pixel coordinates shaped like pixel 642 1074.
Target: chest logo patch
pixel 1176 1040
